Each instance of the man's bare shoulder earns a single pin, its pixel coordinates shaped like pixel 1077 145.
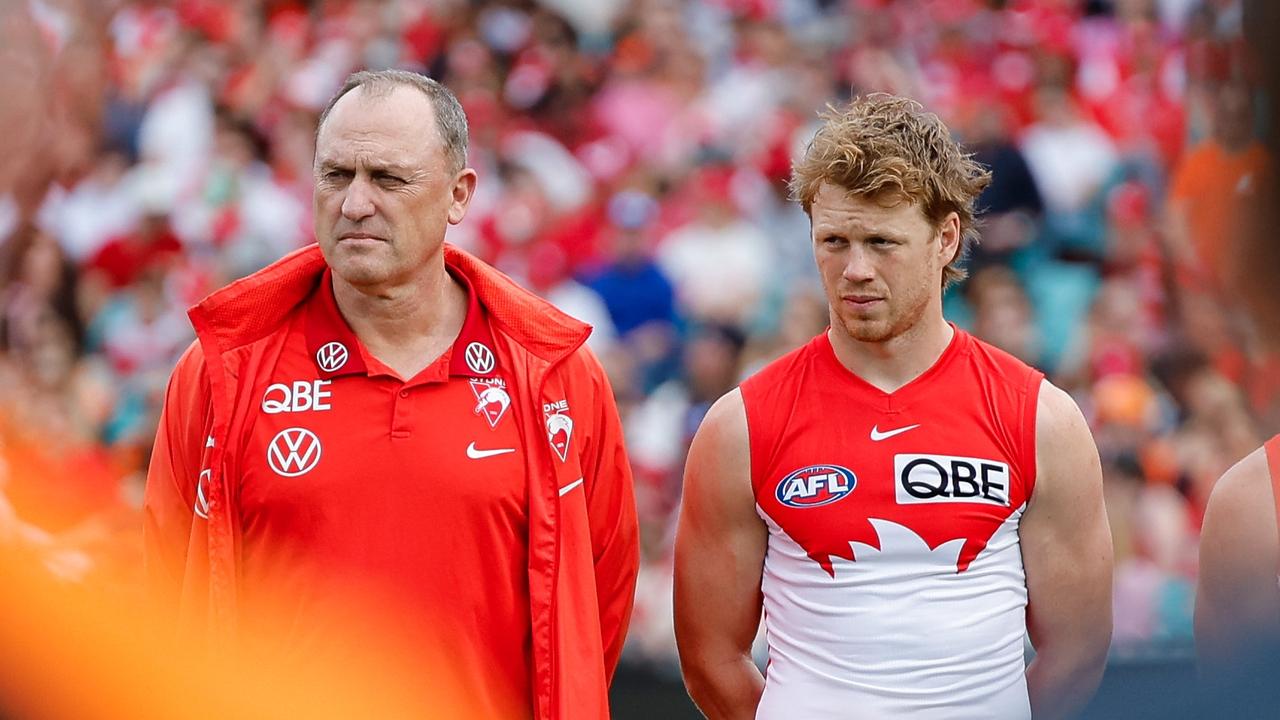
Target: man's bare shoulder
pixel 725 425
pixel 1067 462
pixel 1057 412
pixel 1242 502
pixel 719 458
pixel 1062 433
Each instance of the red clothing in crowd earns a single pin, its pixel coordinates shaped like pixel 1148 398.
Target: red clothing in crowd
pixel 124 259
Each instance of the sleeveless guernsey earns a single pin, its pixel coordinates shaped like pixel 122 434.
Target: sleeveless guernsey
pixel 893 580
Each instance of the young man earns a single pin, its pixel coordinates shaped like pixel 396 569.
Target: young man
pixel 905 502
pixel 385 418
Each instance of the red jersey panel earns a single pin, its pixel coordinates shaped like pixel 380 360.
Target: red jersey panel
pixel 893 579
pixel 408 495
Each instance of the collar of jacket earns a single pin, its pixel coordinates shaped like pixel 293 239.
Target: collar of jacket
pixel 252 307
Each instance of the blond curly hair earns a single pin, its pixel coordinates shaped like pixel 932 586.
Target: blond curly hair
pixel 888 148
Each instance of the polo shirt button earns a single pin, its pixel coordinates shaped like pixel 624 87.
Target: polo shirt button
pixel 404 393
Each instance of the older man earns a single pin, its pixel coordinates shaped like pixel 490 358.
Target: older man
pixel 385 418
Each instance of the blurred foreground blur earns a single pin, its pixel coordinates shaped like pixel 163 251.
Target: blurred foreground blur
pixel 79 651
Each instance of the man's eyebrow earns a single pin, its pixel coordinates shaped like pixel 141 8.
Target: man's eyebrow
pixel 883 231
pixel 372 166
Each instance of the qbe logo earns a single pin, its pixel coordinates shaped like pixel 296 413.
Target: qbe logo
pixel 950 479
pixel 815 485
pixel 300 396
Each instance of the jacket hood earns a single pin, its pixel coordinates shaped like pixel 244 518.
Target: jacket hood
pixel 253 306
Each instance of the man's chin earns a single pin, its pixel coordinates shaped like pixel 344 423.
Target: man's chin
pixel 868 331
pixel 359 274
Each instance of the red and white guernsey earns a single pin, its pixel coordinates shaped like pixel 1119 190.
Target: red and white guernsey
pixel 893 580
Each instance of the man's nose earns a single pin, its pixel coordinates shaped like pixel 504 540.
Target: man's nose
pixel 358 203
pixel 859 266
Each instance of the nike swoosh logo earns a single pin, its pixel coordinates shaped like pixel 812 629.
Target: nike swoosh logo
pixel 476 454
pixel 570 486
pixel 877 436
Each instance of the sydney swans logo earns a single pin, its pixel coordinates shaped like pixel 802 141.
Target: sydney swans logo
pixel 492 399
pixel 559 427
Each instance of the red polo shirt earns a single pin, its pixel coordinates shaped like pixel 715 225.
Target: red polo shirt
pixel 408 494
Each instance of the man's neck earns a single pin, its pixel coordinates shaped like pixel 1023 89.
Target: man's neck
pixel 407 325
pixel 891 364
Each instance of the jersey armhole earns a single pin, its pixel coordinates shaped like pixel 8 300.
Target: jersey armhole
pixel 753 457
pixel 1030 408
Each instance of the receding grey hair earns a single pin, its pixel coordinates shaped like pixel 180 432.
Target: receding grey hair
pixel 451 121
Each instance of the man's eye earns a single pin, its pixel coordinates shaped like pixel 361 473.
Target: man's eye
pixel 388 179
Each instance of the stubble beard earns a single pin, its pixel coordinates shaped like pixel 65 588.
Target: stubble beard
pixel 896 322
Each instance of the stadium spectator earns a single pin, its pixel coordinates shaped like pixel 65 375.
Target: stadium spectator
pixel 718 262
pixel 1214 185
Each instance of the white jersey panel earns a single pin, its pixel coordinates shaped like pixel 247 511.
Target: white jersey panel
pixel 898 632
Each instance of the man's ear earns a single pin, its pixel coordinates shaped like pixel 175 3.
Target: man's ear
pixel 464 188
pixel 949 238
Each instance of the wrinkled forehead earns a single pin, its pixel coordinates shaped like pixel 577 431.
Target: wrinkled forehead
pixel 391 126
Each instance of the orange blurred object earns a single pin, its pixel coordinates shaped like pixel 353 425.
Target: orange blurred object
pixel 72 652
pixel 1124 399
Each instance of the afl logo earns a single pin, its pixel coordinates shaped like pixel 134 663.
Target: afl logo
pixel 815 485
pixel 332 357
pixel 479 359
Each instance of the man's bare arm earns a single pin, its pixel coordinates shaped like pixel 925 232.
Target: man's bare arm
pixel 1066 550
pixel 1238 601
pixel 720 546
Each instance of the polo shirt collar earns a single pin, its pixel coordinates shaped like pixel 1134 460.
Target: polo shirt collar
pixel 336 351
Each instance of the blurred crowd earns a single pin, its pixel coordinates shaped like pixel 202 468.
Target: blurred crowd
pixel 633 159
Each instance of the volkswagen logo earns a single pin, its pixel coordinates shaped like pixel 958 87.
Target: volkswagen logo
pixel 293 452
pixel 479 359
pixel 332 356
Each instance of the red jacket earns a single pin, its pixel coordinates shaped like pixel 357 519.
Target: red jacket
pixel 583 551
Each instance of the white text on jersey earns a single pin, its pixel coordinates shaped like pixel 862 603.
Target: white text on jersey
pixel 301 396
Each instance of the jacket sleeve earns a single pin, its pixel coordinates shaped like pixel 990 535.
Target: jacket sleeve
pixel 611 507
pixel 173 476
